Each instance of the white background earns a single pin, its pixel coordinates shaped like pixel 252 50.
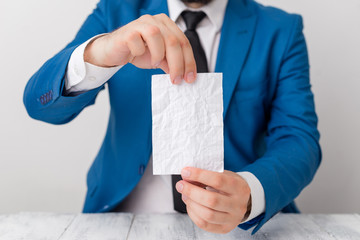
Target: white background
pixel 43 167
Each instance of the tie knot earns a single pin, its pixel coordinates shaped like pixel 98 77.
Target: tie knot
pixel 192 19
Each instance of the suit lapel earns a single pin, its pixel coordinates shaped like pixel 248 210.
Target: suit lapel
pixel 236 38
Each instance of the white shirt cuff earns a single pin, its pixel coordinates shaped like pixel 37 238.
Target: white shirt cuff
pixel 257 195
pixel 82 76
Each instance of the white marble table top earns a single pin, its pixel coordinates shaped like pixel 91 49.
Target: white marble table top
pixel 113 226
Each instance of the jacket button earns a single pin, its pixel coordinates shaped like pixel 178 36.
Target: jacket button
pixel 141 169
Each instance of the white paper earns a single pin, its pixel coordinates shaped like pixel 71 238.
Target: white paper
pixel 187 124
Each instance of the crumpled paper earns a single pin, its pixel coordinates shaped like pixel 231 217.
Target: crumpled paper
pixel 187 124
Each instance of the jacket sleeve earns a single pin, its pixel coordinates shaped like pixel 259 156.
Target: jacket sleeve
pixel 43 96
pixel 293 152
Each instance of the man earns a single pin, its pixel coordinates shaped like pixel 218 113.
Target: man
pixel 270 134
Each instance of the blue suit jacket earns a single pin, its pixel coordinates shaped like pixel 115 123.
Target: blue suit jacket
pixel 270 125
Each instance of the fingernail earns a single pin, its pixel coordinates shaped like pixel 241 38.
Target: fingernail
pixel 178 80
pixel 179 187
pixel 190 77
pixel 185 173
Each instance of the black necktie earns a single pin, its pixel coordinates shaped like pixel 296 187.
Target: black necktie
pixel 191 20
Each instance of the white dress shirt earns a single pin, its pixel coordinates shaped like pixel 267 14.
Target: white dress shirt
pixel 154 193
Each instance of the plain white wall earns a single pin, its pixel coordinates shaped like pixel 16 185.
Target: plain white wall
pixel 43 167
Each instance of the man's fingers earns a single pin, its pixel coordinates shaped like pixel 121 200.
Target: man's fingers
pixel 174 56
pixel 198 184
pixel 204 197
pixel 154 40
pixel 209 215
pixel 190 64
pixel 218 181
pixel 172 44
pixel 136 44
pixel 189 60
pixel 203 224
pixel 165 41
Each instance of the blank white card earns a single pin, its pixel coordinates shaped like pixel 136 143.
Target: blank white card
pixel 187 124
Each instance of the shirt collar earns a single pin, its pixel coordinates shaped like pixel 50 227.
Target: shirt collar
pixel 215 11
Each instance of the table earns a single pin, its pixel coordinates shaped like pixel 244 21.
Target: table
pixel 113 226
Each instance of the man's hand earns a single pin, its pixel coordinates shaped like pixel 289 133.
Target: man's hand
pixel 148 42
pixel 216 202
